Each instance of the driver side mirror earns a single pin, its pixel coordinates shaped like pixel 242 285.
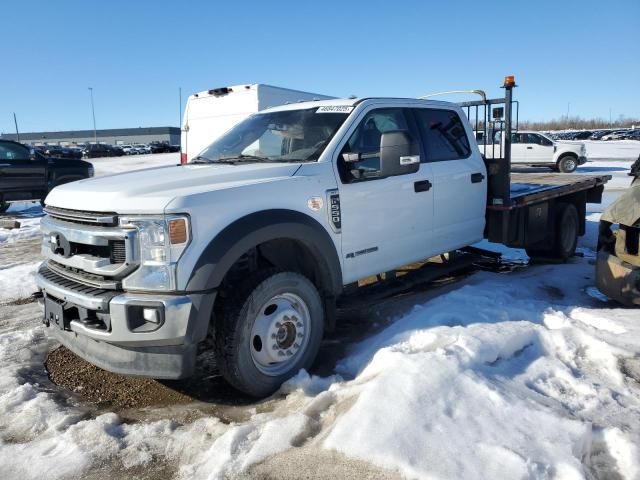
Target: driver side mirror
pixel 33 154
pixel 395 154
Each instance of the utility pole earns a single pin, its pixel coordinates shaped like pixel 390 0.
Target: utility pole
pixel 15 120
pixel 609 116
pixel 93 113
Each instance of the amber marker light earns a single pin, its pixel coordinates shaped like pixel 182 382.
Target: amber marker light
pixel 177 231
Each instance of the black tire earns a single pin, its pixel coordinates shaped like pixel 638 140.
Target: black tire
pixel 566 236
pixel 568 164
pixel 236 345
pixel 4 206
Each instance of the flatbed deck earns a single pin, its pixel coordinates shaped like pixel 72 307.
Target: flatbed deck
pixel 528 188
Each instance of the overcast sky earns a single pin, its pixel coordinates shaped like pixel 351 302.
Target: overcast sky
pixel 580 56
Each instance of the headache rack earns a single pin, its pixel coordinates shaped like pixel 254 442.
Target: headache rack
pixel 521 207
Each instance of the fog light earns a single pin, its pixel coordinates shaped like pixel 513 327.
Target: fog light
pixel 151 315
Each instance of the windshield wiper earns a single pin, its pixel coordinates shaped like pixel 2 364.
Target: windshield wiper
pixel 233 159
pixel 200 159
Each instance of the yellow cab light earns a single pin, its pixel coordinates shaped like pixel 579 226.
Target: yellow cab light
pixel 510 81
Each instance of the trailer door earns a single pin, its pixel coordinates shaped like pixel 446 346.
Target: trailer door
pixel 459 179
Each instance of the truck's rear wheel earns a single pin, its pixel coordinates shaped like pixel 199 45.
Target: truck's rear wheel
pixel 268 330
pixel 568 164
pixel 566 236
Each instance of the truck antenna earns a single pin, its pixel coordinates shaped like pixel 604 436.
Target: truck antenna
pixel 477 92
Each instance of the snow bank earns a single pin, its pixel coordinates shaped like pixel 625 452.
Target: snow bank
pixel 488 379
pixel 17 281
pixel 29 228
pixel 613 149
pixel 111 165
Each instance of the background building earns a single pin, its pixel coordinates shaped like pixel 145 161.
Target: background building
pixel 113 136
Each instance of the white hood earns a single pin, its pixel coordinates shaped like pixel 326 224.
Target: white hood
pixel 149 191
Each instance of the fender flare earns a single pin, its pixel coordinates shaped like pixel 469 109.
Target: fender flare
pixel 236 239
pixel 566 154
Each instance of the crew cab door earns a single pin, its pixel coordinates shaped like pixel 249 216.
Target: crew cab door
pixel 539 148
pixel 19 172
pixel 459 179
pixel 519 150
pixel 385 222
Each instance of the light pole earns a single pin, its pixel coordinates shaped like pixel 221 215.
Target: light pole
pixel 93 113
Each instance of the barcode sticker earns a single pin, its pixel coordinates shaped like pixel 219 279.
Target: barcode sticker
pixel 335 109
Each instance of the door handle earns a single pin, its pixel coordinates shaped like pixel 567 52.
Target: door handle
pixel 529 148
pixel 422 186
pixel 477 177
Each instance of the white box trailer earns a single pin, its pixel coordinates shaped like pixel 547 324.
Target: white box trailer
pixel 211 113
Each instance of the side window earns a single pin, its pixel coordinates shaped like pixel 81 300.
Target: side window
pixel 443 135
pixel 533 138
pixel 545 141
pixel 365 141
pixel 10 151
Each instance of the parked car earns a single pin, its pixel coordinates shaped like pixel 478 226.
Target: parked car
pixel 27 174
pixel 581 135
pixel 632 135
pixel 94 150
pixel 159 147
pixel 128 149
pixel 536 149
pixel 598 134
pixel 616 135
pixel 142 148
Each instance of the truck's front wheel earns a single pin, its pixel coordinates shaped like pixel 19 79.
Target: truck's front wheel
pixel 267 330
pixel 568 164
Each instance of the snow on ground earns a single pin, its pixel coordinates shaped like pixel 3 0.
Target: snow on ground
pixel 107 166
pixel 519 375
pixel 612 149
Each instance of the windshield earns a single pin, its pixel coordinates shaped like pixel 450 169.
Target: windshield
pixel 287 136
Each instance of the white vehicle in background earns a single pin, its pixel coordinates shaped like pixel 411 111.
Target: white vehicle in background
pixel 211 113
pixel 617 135
pixel 536 149
pixel 128 149
pixel 142 149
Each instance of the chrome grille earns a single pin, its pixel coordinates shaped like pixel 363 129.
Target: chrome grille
pixel 83 217
pixel 117 251
pixel 76 287
pixel 98 281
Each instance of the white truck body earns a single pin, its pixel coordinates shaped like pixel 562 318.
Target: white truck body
pixel 537 149
pixel 251 243
pixel 210 113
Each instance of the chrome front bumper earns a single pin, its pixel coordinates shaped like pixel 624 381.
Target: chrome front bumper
pixel 120 345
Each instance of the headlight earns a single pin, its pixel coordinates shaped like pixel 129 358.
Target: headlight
pixel 161 242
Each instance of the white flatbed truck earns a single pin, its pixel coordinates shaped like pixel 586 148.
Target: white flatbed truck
pixel 247 248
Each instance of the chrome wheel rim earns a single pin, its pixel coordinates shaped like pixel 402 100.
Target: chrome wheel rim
pixel 280 334
pixel 569 165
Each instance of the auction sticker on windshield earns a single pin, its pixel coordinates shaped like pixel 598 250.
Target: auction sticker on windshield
pixel 335 109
